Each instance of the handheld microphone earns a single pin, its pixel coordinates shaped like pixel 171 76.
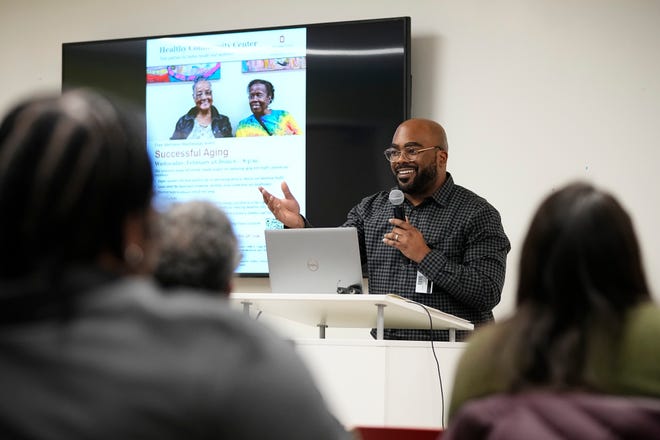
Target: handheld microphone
pixel 396 199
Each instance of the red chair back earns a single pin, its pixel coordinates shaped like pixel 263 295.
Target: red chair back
pixel 396 433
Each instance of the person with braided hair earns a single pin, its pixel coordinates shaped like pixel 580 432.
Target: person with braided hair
pixel 90 346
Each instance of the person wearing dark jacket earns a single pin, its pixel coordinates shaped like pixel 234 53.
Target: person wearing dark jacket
pixel 204 120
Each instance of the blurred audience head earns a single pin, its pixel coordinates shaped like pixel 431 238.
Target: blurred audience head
pixel 198 248
pixel 581 254
pixel 75 186
pixel 580 271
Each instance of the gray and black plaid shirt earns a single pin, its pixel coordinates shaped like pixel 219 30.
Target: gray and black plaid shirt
pixel 466 264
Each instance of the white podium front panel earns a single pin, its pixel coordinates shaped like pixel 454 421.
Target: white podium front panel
pixel 368 382
pixel 384 383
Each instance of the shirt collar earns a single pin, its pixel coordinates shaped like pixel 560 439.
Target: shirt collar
pixel 441 196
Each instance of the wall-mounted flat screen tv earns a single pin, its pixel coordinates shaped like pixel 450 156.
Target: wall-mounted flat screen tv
pixel 340 90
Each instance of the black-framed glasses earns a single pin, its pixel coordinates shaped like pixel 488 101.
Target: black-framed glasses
pixel 409 152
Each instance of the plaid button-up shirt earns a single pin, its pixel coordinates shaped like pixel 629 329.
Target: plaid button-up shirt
pixel 466 264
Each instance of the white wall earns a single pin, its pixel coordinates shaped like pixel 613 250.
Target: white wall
pixel 533 93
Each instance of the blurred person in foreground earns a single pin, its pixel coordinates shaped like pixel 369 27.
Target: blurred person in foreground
pixel 197 247
pixel 89 346
pixel 579 358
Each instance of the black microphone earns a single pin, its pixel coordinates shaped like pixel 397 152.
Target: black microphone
pixel 396 199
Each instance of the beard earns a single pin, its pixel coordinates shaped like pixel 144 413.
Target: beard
pixel 422 182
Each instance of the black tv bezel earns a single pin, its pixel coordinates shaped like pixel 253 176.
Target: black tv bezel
pixel 327 201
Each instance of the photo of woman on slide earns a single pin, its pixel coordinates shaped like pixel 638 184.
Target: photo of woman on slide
pixel 202 121
pixel 264 121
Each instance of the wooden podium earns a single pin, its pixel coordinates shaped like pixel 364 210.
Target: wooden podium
pixel 352 311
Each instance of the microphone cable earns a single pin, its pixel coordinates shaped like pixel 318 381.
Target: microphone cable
pixel 437 362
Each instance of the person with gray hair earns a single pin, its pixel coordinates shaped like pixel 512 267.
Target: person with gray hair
pixel 198 247
pixel 203 121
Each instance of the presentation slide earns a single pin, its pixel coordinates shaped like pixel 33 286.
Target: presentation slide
pixel 225 154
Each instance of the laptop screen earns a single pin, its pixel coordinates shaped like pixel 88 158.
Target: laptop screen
pixel 314 260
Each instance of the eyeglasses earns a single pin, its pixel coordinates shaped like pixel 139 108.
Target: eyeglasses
pixel 409 152
pixel 204 93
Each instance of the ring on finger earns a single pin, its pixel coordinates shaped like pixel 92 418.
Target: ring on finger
pixel 396 237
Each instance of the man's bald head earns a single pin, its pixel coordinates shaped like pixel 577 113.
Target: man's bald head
pixel 427 129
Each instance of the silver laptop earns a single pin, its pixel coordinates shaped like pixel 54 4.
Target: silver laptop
pixel 314 260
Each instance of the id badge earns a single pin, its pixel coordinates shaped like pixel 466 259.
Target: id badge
pixel 423 284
